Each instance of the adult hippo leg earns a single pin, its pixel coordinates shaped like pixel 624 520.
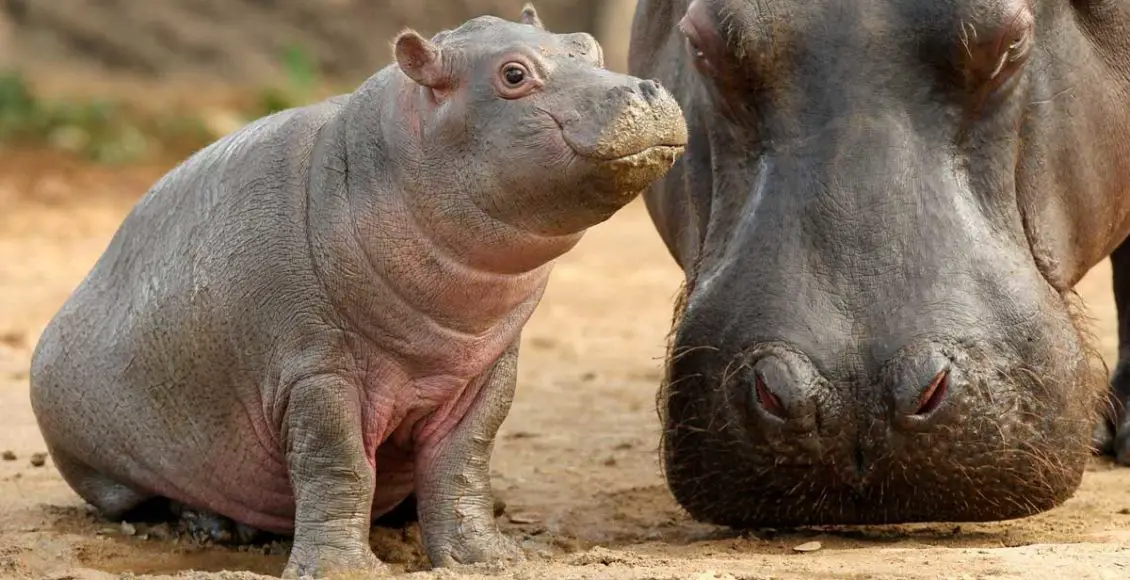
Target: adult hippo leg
pixel 456 506
pixel 332 479
pixel 1114 437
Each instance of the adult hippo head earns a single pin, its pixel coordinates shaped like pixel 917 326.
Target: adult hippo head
pixel 881 214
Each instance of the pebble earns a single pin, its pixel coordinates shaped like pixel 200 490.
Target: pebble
pixel 8 455
pixel 808 547
pixel 38 459
pixel 522 518
pixel 129 529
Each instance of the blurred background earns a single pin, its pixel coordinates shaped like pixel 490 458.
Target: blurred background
pixel 123 79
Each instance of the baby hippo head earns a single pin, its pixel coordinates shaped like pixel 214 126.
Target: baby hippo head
pixel 532 126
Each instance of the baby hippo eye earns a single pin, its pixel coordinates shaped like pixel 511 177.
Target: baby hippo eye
pixel 514 74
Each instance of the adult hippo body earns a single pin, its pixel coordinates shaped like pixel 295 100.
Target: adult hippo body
pixel 881 214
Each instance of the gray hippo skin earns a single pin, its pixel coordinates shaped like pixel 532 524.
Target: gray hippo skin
pixel 881 213
pixel 319 315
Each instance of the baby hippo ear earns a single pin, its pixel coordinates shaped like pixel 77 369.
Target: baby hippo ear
pixel 530 16
pixel 420 59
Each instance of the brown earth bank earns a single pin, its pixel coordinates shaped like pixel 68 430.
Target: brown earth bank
pixel 576 463
pixel 244 41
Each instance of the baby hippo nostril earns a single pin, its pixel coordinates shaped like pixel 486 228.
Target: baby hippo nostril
pixel 649 90
pixel 934 393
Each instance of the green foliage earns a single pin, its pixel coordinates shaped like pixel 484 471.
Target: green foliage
pixel 102 130
pixel 107 131
pixel 302 79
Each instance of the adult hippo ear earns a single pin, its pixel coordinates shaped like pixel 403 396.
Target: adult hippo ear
pixel 530 16
pixel 420 59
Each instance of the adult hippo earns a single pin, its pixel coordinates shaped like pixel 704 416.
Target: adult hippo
pixel 881 214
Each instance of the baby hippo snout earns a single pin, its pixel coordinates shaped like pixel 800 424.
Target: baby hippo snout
pixel 632 117
pixel 630 131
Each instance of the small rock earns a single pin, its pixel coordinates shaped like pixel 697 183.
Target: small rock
pixel 1124 511
pixel 543 342
pixel 523 518
pixel 38 459
pixel 129 529
pixel 808 547
pixel 609 462
pixel 8 455
pixel 712 575
pixel 499 507
pixel 161 531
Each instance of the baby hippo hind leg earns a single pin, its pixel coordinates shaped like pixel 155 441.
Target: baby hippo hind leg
pixel 455 503
pixel 119 502
pixel 112 499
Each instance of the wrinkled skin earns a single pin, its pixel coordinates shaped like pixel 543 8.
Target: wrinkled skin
pixel 319 315
pixel 881 214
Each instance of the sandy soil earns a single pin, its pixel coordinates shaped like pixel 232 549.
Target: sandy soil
pixel 576 463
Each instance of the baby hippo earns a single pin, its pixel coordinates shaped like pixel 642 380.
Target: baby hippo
pixel 319 315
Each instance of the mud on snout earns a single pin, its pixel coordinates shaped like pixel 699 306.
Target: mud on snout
pixel 625 132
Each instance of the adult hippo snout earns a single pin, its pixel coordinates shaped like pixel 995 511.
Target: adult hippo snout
pixel 863 344
pixel 880 215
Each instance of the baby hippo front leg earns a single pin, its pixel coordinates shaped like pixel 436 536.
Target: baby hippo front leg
pixel 456 506
pixel 332 479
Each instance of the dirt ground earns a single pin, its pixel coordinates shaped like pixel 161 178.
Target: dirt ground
pixel 576 463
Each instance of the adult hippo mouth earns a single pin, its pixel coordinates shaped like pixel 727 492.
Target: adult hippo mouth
pixel 880 215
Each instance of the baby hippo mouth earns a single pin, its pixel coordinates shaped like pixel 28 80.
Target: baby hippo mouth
pixel 652 154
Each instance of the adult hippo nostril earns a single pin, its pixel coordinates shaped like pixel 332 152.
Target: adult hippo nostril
pixel 784 389
pixel 770 402
pixel 932 397
pixel 919 384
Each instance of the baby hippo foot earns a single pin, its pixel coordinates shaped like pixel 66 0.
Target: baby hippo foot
pixel 205 526
pixel 453 491
pixel 453 546
pixel 329 558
